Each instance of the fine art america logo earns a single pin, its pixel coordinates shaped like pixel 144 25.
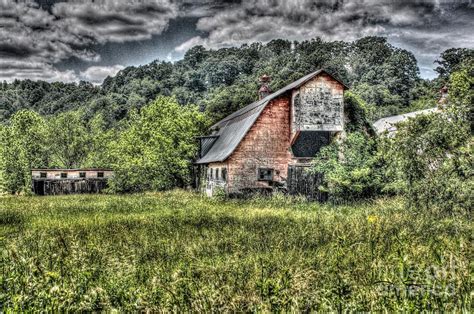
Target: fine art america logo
pixel 412 281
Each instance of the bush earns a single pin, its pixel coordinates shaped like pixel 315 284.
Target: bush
pixel 350 167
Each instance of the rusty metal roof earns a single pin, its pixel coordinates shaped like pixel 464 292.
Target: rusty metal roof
pixel 233 128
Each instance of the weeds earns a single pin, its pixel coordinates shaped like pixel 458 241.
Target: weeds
pixel 181 251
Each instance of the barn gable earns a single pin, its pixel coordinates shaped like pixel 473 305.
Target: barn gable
pixel 230 131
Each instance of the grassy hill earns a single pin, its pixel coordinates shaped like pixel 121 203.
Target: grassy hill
pixel 178 250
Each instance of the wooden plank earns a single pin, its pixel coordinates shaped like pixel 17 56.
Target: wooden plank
pixel 301 182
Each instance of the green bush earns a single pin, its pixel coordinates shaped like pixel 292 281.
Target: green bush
pixel 431 156
pixel 350 167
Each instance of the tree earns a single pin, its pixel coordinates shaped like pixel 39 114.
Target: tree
pixel 155 151
pixel 452 59
pixel 350 164
pixel 432 155
pixel 24 146
pixel 100 138
pixel 69 140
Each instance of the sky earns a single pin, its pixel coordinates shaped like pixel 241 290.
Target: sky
pixel 90 39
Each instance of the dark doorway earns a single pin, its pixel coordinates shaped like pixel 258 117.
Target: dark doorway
pixel 309 143
pixel 38 187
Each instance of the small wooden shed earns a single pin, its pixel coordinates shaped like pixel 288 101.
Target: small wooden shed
pixel 69 181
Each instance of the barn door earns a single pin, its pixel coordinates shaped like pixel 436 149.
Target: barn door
pixel 301 182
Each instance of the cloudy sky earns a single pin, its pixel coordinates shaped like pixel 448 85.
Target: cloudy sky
pixel 88 40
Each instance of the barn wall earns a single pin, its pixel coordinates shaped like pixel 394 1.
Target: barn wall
pixel 318 105
pixel 266 145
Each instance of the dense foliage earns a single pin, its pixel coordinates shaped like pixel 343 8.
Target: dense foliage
pixel 177 251
pixel 350 167
pixel 433 156
pixel 155 150
pixel 429 159
pixel 222 81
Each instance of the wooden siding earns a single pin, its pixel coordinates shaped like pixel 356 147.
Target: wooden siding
pixel 53 174
pixel 266 145
pixel 318 105
pixel 68 186
pixel 301 182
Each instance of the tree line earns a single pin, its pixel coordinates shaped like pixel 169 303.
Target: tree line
pixel 222 81
pixel 143 121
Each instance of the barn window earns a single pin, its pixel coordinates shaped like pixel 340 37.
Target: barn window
pixel 63 175
pixel 100 174
pixel 82 174
pixel 217 174
pixel 224 174
pixel 43 175
pixel 265 174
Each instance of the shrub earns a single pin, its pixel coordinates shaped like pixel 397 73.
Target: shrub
pixel 350 168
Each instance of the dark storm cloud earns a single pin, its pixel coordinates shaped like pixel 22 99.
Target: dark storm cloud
pixel 44 34
pixel 36 36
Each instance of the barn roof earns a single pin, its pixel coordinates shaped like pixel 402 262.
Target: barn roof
pixel 389 123
pixel 232 129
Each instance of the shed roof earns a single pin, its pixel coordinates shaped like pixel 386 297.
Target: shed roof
pixel 233 128
pixel 70 170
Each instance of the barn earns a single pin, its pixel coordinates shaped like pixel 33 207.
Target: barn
pixel 69 181
pixel 270 143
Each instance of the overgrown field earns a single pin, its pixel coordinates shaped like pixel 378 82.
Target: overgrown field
pixel 177 250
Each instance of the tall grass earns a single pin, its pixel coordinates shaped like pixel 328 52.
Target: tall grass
pixel 181 251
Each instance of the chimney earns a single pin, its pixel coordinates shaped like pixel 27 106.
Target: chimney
pixel 264 90
pixel 443 99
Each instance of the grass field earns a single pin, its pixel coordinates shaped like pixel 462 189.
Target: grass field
pixel 178 250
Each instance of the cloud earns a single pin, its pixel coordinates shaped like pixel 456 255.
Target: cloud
pixel 11 70
pixel 31 35
pixel 34 38
pixel 97 74
pixel 426 26
pixel 115 21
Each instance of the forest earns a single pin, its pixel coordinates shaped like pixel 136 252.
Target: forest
pixel 143 122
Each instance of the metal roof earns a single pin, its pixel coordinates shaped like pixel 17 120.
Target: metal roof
pixel 69 170
pixel 232 129
pixel 389 123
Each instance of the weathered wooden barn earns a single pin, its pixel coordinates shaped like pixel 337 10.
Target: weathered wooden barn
pixel 69 181
pixel 270 143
